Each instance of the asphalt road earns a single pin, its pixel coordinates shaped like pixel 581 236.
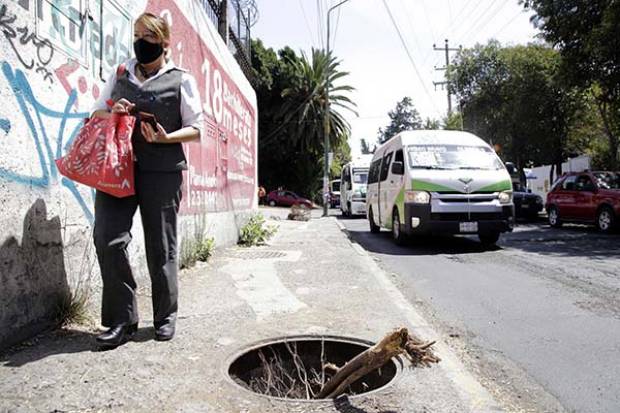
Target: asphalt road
pixel 538 318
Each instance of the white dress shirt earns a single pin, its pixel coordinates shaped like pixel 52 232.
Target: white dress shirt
pixel 191 106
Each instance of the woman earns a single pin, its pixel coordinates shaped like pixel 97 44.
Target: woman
pixel 149 83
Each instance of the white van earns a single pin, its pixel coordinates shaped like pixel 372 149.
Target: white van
pixel 439 182
pixel 334 193
pixel 353 178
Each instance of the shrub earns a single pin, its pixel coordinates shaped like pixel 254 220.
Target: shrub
pixel 255 232
pixel 198 249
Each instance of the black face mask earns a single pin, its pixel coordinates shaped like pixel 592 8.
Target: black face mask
pixel 147 52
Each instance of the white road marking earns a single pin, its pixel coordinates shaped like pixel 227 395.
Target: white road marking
pixel 260 287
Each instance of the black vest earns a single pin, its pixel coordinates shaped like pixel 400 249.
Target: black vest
pixel 161 97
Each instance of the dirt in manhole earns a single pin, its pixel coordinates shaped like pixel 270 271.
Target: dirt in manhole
pixel 298 369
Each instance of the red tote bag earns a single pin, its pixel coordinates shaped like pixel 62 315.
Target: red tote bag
pixel 102 156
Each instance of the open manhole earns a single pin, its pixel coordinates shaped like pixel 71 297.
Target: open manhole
pixel 297 367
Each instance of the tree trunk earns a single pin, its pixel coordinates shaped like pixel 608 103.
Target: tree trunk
pixel 612 138
pixel 396 343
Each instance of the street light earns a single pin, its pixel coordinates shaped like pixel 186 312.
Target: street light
pixel 326 120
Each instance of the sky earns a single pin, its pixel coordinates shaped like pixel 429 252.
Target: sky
pixel 383 68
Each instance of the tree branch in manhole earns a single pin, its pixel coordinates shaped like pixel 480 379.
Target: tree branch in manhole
pixel 399 342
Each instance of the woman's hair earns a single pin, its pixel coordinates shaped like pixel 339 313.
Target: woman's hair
pixel 158 25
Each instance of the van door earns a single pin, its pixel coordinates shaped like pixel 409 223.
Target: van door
pixel 385 209
pixel 394 185
pixel 372 193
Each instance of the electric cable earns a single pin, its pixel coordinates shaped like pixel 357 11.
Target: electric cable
pixel 402 40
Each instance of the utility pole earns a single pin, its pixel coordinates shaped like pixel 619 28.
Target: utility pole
pixel 326 121
pixel 445 83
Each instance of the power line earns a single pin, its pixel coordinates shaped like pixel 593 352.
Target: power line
pixel 402 40
pixel 303 10
pixel 507 24
pixel 485 22
pixel 466 28
pixel 336 29
pixel 428 19
pixel 320 22
pixel 452 19
pixel 408 20
pixel 472 11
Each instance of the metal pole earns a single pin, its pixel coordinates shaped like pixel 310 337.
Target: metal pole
pixel 326 120
pixel 448 86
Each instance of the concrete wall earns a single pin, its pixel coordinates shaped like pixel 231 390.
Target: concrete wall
pixel 54 57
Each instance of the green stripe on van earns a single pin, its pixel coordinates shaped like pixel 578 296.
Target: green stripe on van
pixel 400 204
pixel 418 185
pixel 505 185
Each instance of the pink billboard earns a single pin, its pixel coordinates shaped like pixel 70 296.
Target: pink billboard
pixel 222 166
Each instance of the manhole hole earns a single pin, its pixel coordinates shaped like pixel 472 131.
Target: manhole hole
pixel 253 255
pixel 293 368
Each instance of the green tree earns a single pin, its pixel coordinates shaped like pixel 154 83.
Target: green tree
pixel 453 122
pixel 587 33
pixel 364 147
pixel 291 99
pixel 515 97
pixel 432 124
pixel 402 118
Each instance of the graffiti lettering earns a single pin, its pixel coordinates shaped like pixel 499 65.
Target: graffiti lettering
pixel 5 125
pixel 44 48
pixel 37 117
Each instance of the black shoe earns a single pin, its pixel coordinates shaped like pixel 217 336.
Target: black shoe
pixel 164 331
pixel 117 335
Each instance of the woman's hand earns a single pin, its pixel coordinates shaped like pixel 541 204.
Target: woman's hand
pixel 122 106
pixel 152 136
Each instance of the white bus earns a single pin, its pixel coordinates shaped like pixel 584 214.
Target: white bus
pixel 439 182
pixel 353 180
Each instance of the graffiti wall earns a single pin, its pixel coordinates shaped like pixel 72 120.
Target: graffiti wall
pixel 54 58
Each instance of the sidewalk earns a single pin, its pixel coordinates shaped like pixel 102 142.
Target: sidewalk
pixel 310 279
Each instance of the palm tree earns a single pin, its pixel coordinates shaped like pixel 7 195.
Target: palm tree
pixel 303 111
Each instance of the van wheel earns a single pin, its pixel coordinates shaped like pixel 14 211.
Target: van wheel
pixel 489 239
pixel 605 220
pixel 397 234
pixel 272 203
pixel 554 217
pixel 374 228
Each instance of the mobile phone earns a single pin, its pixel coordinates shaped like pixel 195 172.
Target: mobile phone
pixel 149 118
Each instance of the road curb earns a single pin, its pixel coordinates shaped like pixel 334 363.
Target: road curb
pixel 467 386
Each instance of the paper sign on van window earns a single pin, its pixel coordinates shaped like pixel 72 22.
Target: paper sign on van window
pixel 423 158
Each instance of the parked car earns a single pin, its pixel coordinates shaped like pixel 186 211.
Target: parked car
pixel 287 198
pixel 585 197
pixel 527 204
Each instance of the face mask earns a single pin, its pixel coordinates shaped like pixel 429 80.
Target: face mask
pixel 147 52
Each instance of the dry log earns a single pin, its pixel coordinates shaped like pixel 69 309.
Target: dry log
pixel 395 343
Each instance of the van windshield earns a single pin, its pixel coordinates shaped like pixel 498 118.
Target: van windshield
pixel 360 176
pixel 452 157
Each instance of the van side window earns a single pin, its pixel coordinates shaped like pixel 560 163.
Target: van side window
pixel 373 172
pixel 398 157
pixel 385 166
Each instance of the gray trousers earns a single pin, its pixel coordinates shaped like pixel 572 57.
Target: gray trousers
pixel 158 194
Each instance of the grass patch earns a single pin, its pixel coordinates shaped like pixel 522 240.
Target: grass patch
pixel 72 308
pixel 198 249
